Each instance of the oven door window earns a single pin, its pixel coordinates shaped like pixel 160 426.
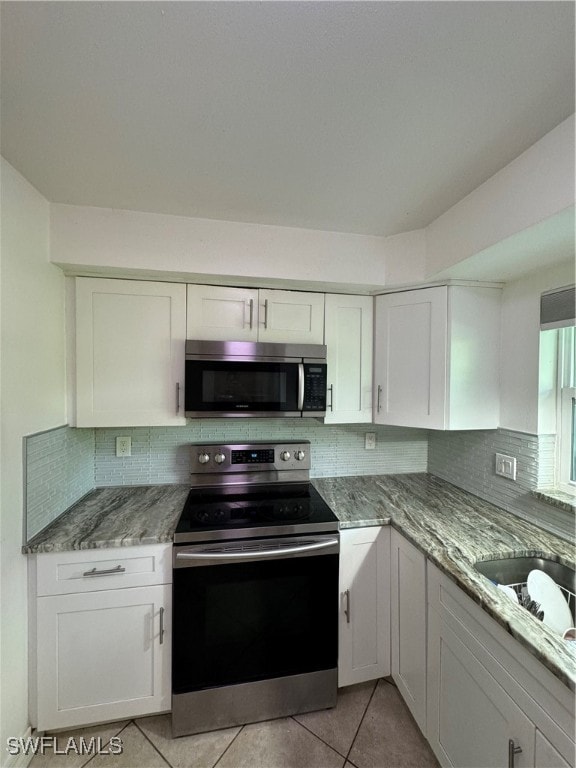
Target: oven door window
pixel 253 621
pixel 238 386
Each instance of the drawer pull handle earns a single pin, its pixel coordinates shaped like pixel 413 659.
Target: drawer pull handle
pixel 512 750
pixel 162 630
pixel 107 572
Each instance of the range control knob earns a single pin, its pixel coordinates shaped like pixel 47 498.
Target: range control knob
pixel 203 458
pixel 285 455
pixel 299 455
pixel 219 458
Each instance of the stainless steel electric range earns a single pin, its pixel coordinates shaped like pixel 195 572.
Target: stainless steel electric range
pixel 255 608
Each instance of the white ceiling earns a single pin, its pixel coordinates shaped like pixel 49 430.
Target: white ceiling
pixel 367 117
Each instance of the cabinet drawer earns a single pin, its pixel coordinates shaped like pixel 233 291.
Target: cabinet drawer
pixel 92 570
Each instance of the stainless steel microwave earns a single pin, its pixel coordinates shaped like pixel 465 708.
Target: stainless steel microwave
pixel 244 378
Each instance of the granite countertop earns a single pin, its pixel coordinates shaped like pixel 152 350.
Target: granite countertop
pixel 122 516
pixel 454 529
pixel 451 527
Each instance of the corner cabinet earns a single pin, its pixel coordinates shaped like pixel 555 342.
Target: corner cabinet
pixel 243 314
pixel 130 339
pixel 489 702
pixel 408 613
pixel 436 358
pixel 364 635
pixel 100 635
pixel 348 338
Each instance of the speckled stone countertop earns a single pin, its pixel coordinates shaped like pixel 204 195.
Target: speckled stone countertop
pixel 451 527
pixel 122 516
pixel 454 529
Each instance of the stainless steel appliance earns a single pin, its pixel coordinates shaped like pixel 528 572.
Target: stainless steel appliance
pixel 255 608
pixel 243 378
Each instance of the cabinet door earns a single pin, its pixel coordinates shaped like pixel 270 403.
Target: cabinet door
pixel 130 339
pixel 547 756
pixel 408 614
pixel 364 647
pixel 410 358
pixel 470 719
pixel 291 317
pixel 103 656
pixel 217 313
pixel 348 338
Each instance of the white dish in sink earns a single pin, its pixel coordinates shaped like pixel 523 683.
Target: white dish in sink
pixel 544 590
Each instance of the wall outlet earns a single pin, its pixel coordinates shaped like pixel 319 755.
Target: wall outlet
pixel 370 441
pixel 123 446
pixel 506 466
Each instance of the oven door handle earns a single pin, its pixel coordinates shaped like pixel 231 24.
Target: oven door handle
pixel 256 554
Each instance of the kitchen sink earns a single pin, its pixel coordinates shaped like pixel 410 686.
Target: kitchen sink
pixel 514 572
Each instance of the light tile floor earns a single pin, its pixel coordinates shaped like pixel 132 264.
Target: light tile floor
pixel 369 728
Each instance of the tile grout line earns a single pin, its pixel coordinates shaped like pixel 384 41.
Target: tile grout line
pixel 229 745
pixel 108 742
pixel 153 745
pixel 362 720
pixel 293 717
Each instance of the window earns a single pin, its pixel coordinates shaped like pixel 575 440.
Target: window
pixel 566 398
pixel 557 391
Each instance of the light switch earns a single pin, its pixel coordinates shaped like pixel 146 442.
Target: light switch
pixel 506 466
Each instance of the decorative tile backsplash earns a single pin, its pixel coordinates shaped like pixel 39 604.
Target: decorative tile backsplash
pixel 467 460
pixel 64 464
pixel 59 470
pixel 161 454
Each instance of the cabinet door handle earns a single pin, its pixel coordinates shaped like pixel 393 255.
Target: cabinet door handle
pixel 331 390
pixel 178 398
pixel 378 399
pixel 104 572
pixel 251 313
pixel 265 313
pixel 162 630
pixel 512 751
pixel 347 608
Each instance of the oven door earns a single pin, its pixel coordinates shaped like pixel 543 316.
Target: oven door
pixel 243 388
pixel 254 610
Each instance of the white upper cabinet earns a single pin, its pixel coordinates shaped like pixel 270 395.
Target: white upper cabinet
pixel 130 338
pixel 295 317
pixel 436 358
pixel 218 313
pixel 348 339
pixel 241 314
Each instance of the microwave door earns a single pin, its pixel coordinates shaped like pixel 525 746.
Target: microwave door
pixel 242 388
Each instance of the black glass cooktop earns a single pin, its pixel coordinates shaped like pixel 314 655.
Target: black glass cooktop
pixel 245 508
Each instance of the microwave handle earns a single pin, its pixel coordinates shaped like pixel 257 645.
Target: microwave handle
pixel 300 406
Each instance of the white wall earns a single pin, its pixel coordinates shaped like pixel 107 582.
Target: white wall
pixel 32 392
pixel 521 343
pixel 521 217
pixel 94 240
pixel 537 185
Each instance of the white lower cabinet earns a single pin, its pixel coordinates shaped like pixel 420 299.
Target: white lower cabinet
pixel 99 654
pixel 364 637
pixel 408 625
pixel 489 702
